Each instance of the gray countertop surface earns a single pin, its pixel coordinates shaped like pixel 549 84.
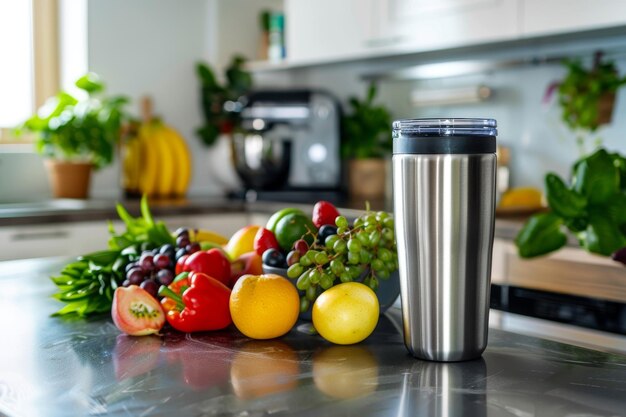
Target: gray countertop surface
pixel 54 367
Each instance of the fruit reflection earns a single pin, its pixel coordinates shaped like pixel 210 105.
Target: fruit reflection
pixel 264 367
pixel 134 356
pixel 204 359
pixel 345 371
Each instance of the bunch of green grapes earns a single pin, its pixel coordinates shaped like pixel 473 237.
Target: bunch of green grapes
pixel 365 252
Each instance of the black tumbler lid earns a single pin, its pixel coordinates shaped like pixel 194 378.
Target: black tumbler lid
pixel 444 136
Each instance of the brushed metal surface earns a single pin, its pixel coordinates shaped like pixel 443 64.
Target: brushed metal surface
pixel 444 215
pixel 57 368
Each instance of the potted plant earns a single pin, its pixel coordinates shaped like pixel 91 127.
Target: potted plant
pixel 366 141
pixel 77 135
pixel 220 108
pixel 591 206
pixel 587 96
pixel 220 101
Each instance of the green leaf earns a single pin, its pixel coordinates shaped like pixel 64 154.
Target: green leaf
pixel 597 178
pixel 145 211
pixel 104 257
pixel 563 201
pixel 616 209
pixel 207 77
pixel 71 308
pixel 540 235
pixel 90 82
pixel 371 93
pixel 602 236
pixel 620 163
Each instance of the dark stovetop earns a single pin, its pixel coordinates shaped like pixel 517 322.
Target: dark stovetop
pixel 587 312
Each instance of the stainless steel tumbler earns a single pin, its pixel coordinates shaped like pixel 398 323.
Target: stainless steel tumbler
pixel 444 178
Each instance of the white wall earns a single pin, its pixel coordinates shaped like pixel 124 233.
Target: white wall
pixel 150 47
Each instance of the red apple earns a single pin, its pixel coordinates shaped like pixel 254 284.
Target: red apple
pixel 212 262
pixel 248 263
pixel 264 240
pixel 136 312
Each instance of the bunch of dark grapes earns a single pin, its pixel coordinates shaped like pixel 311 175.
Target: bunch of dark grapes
pixel 184 245
pixel 155 267
pixel 366 251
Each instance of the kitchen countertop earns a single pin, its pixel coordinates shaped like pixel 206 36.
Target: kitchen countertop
pixel 67 210
pixel 55 367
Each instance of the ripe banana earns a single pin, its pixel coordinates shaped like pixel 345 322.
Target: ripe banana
pixel 203 235
pixel 166 169
pixel 149 161
pixel 131 165
pixel 182 161
pixel 157 162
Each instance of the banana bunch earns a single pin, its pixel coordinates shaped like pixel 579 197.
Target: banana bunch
pixel 156 162
pixel 204 235
pixel 208 239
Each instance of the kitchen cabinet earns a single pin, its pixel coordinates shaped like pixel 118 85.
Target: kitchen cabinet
pixel 73 239
pixel 571 271
pixel 327 29
pixel 421 25
pixel 59 239
pixel 540 17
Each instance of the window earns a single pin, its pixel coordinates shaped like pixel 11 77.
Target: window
pixel 29 65
pixel 16 69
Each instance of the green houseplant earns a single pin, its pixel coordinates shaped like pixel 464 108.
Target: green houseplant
pixel 366 140
pixel 77 135
pixel 219 100
pixel 587 96
pixel 592 207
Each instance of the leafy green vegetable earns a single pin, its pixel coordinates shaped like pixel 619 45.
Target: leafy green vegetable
pixel 597 178
pixel 87 284
pixel 540 235
pixel 563 201
pixel 602 236
pixel 593 207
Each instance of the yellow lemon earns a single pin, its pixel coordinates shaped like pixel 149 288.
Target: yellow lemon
pixel 264 367
pixel 346 313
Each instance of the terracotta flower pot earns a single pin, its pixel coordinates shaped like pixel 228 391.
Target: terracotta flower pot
pixel 367 178
pixel 605 108
pixel 69 179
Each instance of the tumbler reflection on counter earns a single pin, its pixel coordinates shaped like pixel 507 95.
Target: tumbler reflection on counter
pixel 445 389
pixel 444 178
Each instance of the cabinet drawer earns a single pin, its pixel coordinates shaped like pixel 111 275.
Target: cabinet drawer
pixel 67 239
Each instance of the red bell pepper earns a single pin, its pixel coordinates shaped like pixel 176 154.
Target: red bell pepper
pixel 196 302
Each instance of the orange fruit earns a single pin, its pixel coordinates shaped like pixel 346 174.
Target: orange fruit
pixel 264 306
pixel 264 367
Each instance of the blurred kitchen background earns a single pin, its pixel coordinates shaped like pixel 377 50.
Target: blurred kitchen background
pixel 495 58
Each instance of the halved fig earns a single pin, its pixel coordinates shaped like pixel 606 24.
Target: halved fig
pixel 136 312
